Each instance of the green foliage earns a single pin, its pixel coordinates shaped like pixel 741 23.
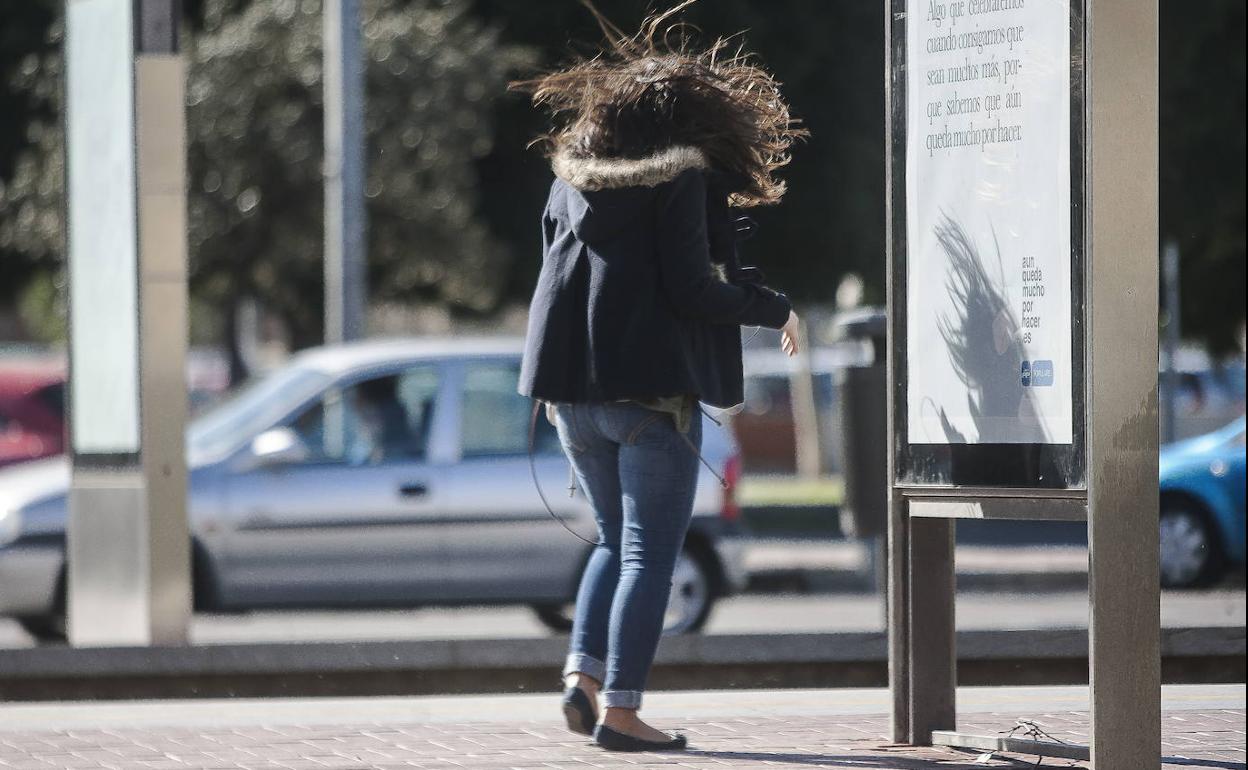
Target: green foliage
pixel 454 196
pixel 254 134
pixel 255 122
pixel 42 310
pixel 23 37
pixel 30 170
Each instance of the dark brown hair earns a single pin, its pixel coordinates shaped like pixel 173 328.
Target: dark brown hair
pixel 655 89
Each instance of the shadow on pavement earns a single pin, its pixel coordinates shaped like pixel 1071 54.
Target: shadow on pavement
pixel 1203 763
pixel 895 760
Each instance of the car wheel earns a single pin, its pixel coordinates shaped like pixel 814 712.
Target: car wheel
pixel 1190 554
pixel 692 597
pixel 688 605
pixel 51 628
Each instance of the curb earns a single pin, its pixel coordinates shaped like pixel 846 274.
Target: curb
pixel 1189 655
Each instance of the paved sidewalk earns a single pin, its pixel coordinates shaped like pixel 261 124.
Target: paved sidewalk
pixel 1203 727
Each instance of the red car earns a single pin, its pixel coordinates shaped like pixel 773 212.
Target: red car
pixel 32 414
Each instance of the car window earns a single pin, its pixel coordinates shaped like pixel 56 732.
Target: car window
pixel 377 420
pixel 257 406
pixel 495 418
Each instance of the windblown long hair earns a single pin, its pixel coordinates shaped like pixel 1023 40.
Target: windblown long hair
pixel 656 89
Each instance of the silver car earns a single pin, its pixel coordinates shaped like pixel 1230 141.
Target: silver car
pixel 381 474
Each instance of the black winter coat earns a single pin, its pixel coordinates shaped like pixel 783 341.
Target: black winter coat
pixel 641 293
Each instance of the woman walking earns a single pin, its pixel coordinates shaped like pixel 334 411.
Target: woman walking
pixel 636 318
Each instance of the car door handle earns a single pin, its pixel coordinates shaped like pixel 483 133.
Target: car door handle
pixel 413 490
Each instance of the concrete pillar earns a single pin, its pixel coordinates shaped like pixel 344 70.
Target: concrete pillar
pixel 128 560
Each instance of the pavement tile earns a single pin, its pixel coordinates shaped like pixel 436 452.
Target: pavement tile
pixel 1192 739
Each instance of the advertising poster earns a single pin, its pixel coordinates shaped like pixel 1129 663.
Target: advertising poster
pixel 103 226
pixel 988 222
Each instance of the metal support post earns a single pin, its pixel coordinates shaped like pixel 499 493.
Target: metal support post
pixel 1122 201
pixel 346 280
pixel 898 547
pixel 899 638
pixel 932 647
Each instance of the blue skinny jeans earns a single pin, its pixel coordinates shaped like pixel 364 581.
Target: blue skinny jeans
pixel 640 475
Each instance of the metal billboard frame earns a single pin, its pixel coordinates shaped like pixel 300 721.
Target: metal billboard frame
pixel 1108 475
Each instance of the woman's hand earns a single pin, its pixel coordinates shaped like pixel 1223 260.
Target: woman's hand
pixel 790 334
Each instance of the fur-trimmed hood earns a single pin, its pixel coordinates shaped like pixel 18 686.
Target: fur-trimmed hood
pixel 590 174
pixel 605 196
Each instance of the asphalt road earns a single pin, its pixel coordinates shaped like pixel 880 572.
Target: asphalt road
pixel 798 586
pixel 750 613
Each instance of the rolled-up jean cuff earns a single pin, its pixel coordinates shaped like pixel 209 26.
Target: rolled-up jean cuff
pixel 622 699
pixel 590 666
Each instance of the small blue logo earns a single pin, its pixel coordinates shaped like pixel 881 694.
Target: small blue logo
pixel 1026 374
pixel 1042 373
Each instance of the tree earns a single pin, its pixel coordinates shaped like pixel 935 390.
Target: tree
pixel 470 206
pixel 254 133
pixel 29 202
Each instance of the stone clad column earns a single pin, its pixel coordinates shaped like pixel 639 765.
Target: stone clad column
pixel 128 558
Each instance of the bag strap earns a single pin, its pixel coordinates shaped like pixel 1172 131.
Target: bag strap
pixel 537 407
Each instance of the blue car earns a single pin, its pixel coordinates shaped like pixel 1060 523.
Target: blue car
pixel 1202 507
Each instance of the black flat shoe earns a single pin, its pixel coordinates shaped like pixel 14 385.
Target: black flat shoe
pixel 578 711
pixel 613 740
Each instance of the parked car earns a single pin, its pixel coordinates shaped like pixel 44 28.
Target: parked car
pixel 1202 507
pixel 382 474
pixel 32 414
pixel 765 429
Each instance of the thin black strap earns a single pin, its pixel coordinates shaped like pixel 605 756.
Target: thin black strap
pixel 537 405
pixel 689 443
